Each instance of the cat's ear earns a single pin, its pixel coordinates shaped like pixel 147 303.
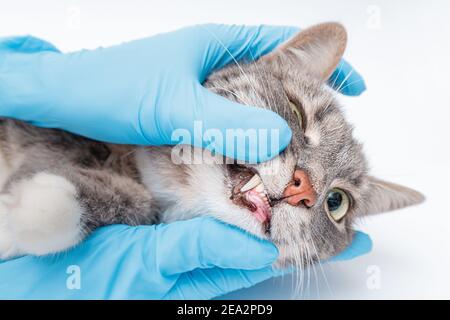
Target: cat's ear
pixel 317 50
pixel 385 196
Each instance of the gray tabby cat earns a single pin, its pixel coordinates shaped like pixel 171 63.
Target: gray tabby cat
pixel 58 187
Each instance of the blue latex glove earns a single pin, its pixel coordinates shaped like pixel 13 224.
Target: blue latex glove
pixel 182 260
pixel 139 92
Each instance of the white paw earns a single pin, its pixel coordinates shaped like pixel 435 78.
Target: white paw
pixel 43 214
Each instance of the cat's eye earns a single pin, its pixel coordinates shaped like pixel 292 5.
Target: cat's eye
pixel 337 204
pixel 297 113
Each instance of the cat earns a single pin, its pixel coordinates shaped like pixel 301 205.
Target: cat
pixel 57 187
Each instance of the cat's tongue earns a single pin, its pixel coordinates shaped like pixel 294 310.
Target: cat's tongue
pixel 262 212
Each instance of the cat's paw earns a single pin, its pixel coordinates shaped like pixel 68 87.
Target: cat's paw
pixel 43 214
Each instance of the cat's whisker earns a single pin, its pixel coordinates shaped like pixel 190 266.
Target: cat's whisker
pixel 336 77
pixel 302 261
pixel 233 58
pixel 298 276
pixel 316 278
pixel 308 266
pixel 319 262
pixel 240 99
pixel 313 253
pixel 350 84
pixel 299 259
pixel 301 276
pixel 338 89
pixel 314 275
pixel 271 101
pixel 306 275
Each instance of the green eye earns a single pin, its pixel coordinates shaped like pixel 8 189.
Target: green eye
pixel 297 113
pixel 337 204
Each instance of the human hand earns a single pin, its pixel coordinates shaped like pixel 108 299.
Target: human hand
pixel 182 260
pixel 139 92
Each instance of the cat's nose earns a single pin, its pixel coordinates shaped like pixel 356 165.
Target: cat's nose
pixel 300 190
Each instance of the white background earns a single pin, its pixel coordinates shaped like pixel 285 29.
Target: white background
pixel 401 47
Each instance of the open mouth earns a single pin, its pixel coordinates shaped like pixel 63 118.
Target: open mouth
pixel 251 194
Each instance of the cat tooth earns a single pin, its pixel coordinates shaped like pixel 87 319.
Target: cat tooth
pixel 260 188
pixel 252 183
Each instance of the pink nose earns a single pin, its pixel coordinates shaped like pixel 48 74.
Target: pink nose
pixel 300 190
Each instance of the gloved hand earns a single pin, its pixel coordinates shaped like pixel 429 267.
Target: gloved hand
pixel 181 260
pixel 139 92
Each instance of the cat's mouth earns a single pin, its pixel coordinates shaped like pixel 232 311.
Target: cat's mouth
pixel 250 193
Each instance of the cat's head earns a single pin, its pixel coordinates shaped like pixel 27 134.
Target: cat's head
pixel 306 199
